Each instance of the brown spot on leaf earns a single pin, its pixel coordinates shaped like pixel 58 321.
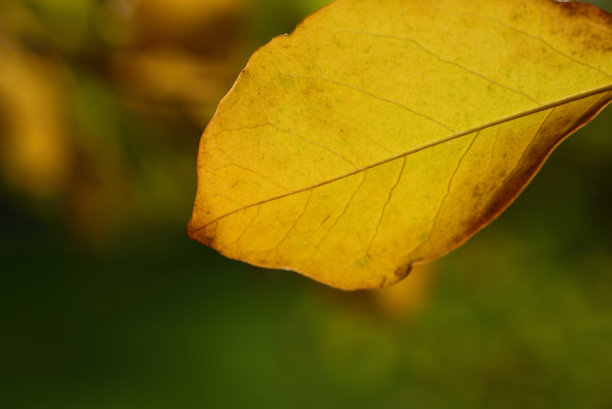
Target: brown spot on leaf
pixel 403 271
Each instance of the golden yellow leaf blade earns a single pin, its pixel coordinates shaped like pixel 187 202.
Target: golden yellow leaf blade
pixel 384 133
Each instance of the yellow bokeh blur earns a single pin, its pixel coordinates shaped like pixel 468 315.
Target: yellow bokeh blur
pixel 35 148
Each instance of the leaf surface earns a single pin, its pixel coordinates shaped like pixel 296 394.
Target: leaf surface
pixel 380 134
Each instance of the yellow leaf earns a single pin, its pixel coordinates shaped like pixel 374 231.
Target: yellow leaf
pixel 385 133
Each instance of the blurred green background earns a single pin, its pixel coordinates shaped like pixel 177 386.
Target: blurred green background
pixel 106 304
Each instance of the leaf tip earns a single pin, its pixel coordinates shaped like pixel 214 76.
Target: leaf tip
pixel 202 233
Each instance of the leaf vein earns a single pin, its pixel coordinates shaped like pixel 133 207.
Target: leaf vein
pixel 342 213
pixel 232 162
pixel 390 101
pixel 384 208
pixel 286 235
pixel 448 189
pixel 237 241
pixel 539 38
pixel 509 118
pixel 468 70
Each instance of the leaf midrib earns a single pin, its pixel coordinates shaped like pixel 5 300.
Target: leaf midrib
pixel 551 105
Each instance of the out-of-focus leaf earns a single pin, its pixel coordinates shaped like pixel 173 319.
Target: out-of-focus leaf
pixel 384 133
pixel 35 152
pixel 173 78
pixel 185 13
pixel 201 24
